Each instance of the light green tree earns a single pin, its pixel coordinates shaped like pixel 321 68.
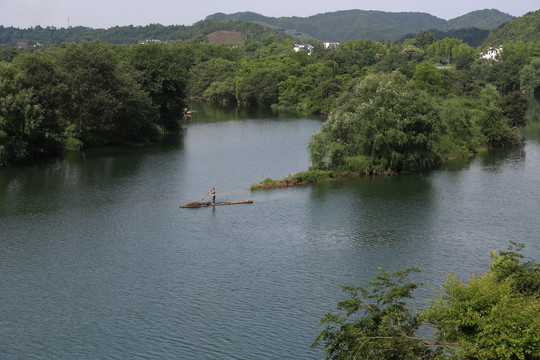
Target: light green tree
pixel 383 118
pixel 428 77
pixel 529 77
pixel 494 316
pixel 377 322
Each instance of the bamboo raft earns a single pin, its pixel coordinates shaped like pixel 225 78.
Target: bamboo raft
pixel 205 204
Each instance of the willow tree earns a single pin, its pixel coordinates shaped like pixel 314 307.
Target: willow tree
pixel 382 122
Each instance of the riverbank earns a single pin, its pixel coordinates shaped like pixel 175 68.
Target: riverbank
pixel 304 178
pixel 320 176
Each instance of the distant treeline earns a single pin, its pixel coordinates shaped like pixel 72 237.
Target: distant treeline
pixel 49 36
pixel 91 93
pixel 474 37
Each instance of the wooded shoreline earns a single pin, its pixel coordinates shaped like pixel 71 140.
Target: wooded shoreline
pixel 87 94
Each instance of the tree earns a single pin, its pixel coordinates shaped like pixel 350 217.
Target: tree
pixel 108 105
pixel 204 74
pixel 260 87
pixel 383 117
pixel 463 56
pixel 428 77
pixel 505 74
pixel 514 107
pixel 442 51
pixel 221 92
pixel 459 133
pixel 495 315
pixel 199 38
pixel 529 77
pixel 498 129
pixel 20 115
pixel 377 322
pixel 50 88
pixel 424 39
pixel 162 78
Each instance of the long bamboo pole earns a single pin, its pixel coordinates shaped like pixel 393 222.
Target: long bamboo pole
pixel 205 195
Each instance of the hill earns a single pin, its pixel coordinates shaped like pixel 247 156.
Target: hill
pixel 486 19
pixel 525 28
pixel 348 25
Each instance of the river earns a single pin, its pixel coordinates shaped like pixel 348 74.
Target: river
pixel 97 260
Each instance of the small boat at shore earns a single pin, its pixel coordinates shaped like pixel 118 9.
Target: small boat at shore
pixel 205 204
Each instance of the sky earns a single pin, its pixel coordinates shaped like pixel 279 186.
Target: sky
pixel 109 13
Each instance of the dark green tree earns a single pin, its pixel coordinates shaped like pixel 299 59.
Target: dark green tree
pixel 107 104
pixel 261 87
pixel 203 75
pixel 463 56
pixel 529 77
pixel 163 78
pixel 20 115
pixel 498 128
pixel 514 107
pixel 51 91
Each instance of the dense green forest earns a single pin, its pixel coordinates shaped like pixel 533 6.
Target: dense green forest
pixel 91 93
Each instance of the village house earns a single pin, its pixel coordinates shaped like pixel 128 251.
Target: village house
pixel 330 45
pixel 154 41
pixel 302 46
pixel 492 53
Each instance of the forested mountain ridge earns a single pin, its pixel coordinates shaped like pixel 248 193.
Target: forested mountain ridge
pixel 348 25
pixel 487 19
pixel 525 28
pixel 338 26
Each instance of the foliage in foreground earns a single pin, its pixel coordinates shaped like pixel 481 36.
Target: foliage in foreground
pixel 495 315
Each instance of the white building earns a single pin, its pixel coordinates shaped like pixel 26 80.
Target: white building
pixel 307 47
pixel 331 45
pixel 492 53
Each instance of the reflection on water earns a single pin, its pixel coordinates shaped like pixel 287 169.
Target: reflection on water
pixel 207 112
pixel 532 130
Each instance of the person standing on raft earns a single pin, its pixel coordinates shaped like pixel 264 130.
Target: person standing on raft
pixel 213 192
